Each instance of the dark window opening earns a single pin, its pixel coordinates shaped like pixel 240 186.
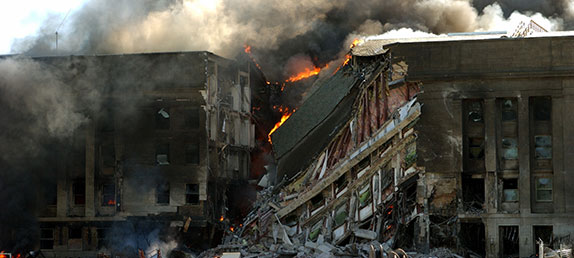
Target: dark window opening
pixel 51 193
pixel 162 193
pixel 79 190
pixel 46 238
pixel 108 155
pixel 509 240
pixel 108 195
pixel 102 233
pixel 162 119
pixel 75 232
pixel 162 154
pixel 473 193
pixel 473 135
pixel 191 120
pixel 192 193
pixel 542 108
pixel 472 236
pixel 544 233
pixel 510 190
pixel 341 183
pixel 317 201
pixel 192 153
pixel 315 231
pixel 363 164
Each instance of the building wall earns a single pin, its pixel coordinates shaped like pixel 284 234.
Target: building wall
pixel 488 71
pixel 172 126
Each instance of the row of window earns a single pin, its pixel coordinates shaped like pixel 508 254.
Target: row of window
pixel 108 194
pixel 163 119
pixel 540 124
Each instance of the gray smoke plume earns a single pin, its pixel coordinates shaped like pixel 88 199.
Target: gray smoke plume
pixel 276 30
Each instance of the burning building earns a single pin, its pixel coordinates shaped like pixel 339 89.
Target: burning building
pixel 156 163
pixel 456 141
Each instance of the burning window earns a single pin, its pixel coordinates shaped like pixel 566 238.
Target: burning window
pixel 162 119
pixel 191 120
pixel 162 154
pixel 162 193
pixel 192 193
pixel 108 195
pixel 79 191
pixel 46 238
pixel 543 189
pixel 510 190
pixel 192 153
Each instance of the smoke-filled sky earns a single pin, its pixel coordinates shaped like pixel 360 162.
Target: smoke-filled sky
pixel 277 30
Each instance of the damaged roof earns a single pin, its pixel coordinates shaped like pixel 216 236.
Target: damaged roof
pixel 313 111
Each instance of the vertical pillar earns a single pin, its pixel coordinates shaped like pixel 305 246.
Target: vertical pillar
pixel 526 243
pixel 490 179
pixel 90 167
pixel 524 156
pixel 558 155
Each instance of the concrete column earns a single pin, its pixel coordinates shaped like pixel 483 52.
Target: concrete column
pixel 558 155
pixel 526 243
pixel 524 155
pixel 90 167
pixel 490 180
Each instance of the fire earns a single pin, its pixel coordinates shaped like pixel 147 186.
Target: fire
pixel 356 42
pixel 111 202
pixel 247 50
pixel 221 218
pixel 305 74
pixel 232 229
pixel 284 118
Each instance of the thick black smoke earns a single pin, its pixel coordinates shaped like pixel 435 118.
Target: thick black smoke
pixel 277 30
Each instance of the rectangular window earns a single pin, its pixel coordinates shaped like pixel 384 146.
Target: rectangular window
pixel 544 233
pixel 543 189
pixel 79 190
pixel 473 135
pixel 46 238
pixel 108 195
pixel 108 155
pixel 162 119
pixel 341 214
pixel 51 193
pixel 192 153
pixel 541 128
pixel 508 145
pixel 102 237
pixel 191 120
pixel 509 241
pixel 162 154
pixel 162 193
pixel 75 232
pixel 365 196
pixel 192 193
pixel 317 201
pixel 510 190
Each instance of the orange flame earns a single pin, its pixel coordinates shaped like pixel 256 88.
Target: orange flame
pixel 356 42
pixel 284 118
pixel 111 202
pixel 221 218
pixel 232 229
pixel 247 50
pixel 305 74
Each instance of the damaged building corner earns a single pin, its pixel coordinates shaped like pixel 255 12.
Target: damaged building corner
pixel 416 146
